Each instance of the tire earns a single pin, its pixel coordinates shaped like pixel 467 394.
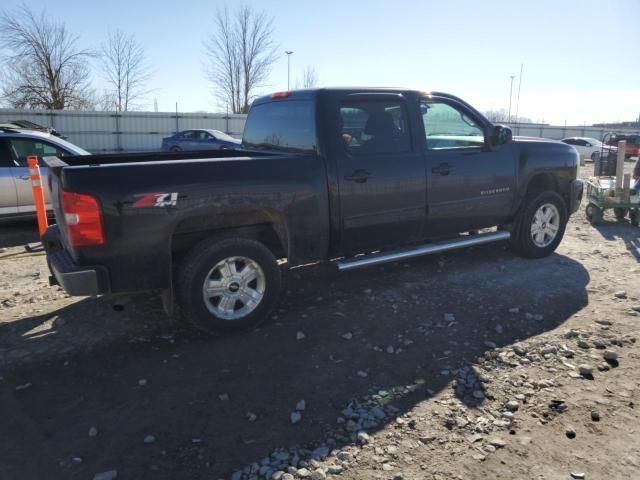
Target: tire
pixel 594 155
pixel 620 213
pixel 593 213
pixel 546 238
pixel 220 314
pixel 634 217
pixel 175 149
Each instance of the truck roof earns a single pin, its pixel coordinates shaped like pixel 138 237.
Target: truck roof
pixel 309 93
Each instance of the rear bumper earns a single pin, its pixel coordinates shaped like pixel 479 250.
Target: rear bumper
pixel 575 195
pixel 74 279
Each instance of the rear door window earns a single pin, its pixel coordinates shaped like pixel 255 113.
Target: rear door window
pixel 375 127
pixel 281 125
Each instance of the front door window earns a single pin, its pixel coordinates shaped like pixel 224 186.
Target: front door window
pixel 448 128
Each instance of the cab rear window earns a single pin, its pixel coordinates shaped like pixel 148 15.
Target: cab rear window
pixel 281 125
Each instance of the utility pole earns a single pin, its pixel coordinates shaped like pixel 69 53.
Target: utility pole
pixel 510 95
pixel 288 52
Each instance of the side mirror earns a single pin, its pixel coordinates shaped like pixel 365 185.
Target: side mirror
pixel 501 135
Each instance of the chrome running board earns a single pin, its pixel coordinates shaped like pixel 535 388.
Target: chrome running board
pixel 385 257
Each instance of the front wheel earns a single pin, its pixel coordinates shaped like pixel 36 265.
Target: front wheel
pixel 540 226
pixel 228 284
pixel 634 217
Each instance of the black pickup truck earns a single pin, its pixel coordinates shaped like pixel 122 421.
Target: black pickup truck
pixel 354 176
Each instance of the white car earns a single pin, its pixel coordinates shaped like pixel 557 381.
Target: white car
pixel 16 144
pixel 589 147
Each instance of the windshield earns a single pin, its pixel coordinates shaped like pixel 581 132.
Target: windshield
pixel 223 136
pixel 594 142
pixel 74 149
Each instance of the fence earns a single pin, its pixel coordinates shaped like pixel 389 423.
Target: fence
pixel 129 131
pixel 139 131
pixel 556 132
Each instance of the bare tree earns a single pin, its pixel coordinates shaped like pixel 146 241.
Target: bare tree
pixel 240 54
pixel 43 67
pixel 125 70
pixel 309 78
pixel 104 102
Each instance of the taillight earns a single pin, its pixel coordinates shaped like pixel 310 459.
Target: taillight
pixel 83 219
pixel 281 95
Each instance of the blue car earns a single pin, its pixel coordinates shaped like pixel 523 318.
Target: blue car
pixel 199 139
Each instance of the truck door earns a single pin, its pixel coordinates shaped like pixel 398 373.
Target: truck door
pixel 381 176
pixel 470 185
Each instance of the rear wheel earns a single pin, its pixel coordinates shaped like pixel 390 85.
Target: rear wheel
pixel 593 213
pixel 228 284
pixel 620 213
pixel 540 226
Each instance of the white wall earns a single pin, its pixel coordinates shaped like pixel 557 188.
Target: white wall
pixel 556 132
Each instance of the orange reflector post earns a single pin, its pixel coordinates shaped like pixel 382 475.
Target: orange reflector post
pixel 38 193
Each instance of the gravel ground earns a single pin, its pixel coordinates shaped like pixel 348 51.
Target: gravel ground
pixel 473 364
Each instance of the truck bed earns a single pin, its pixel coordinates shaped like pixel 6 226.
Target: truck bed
pixel 167 198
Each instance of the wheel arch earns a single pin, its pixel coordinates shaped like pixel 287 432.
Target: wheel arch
pixel 541 182
pixel 265 226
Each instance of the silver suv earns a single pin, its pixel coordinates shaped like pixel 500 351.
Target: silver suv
pixel 16 198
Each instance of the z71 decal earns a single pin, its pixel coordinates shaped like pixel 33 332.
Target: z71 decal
pixel 156 200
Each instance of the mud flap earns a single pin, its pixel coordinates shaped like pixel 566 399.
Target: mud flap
pixel 168 303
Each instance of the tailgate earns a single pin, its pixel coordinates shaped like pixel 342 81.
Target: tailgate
pixel 54 181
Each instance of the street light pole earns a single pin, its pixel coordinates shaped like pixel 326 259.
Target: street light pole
pixel 519 85
pixel 288 52
pixel 510 95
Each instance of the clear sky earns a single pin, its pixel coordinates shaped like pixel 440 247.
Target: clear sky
pixel 581 57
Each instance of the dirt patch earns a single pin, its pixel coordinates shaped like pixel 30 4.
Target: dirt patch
pixel 474 364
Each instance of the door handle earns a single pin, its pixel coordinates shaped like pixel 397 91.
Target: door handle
pixel 359 176
pixel 442 169
pixel 24 177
